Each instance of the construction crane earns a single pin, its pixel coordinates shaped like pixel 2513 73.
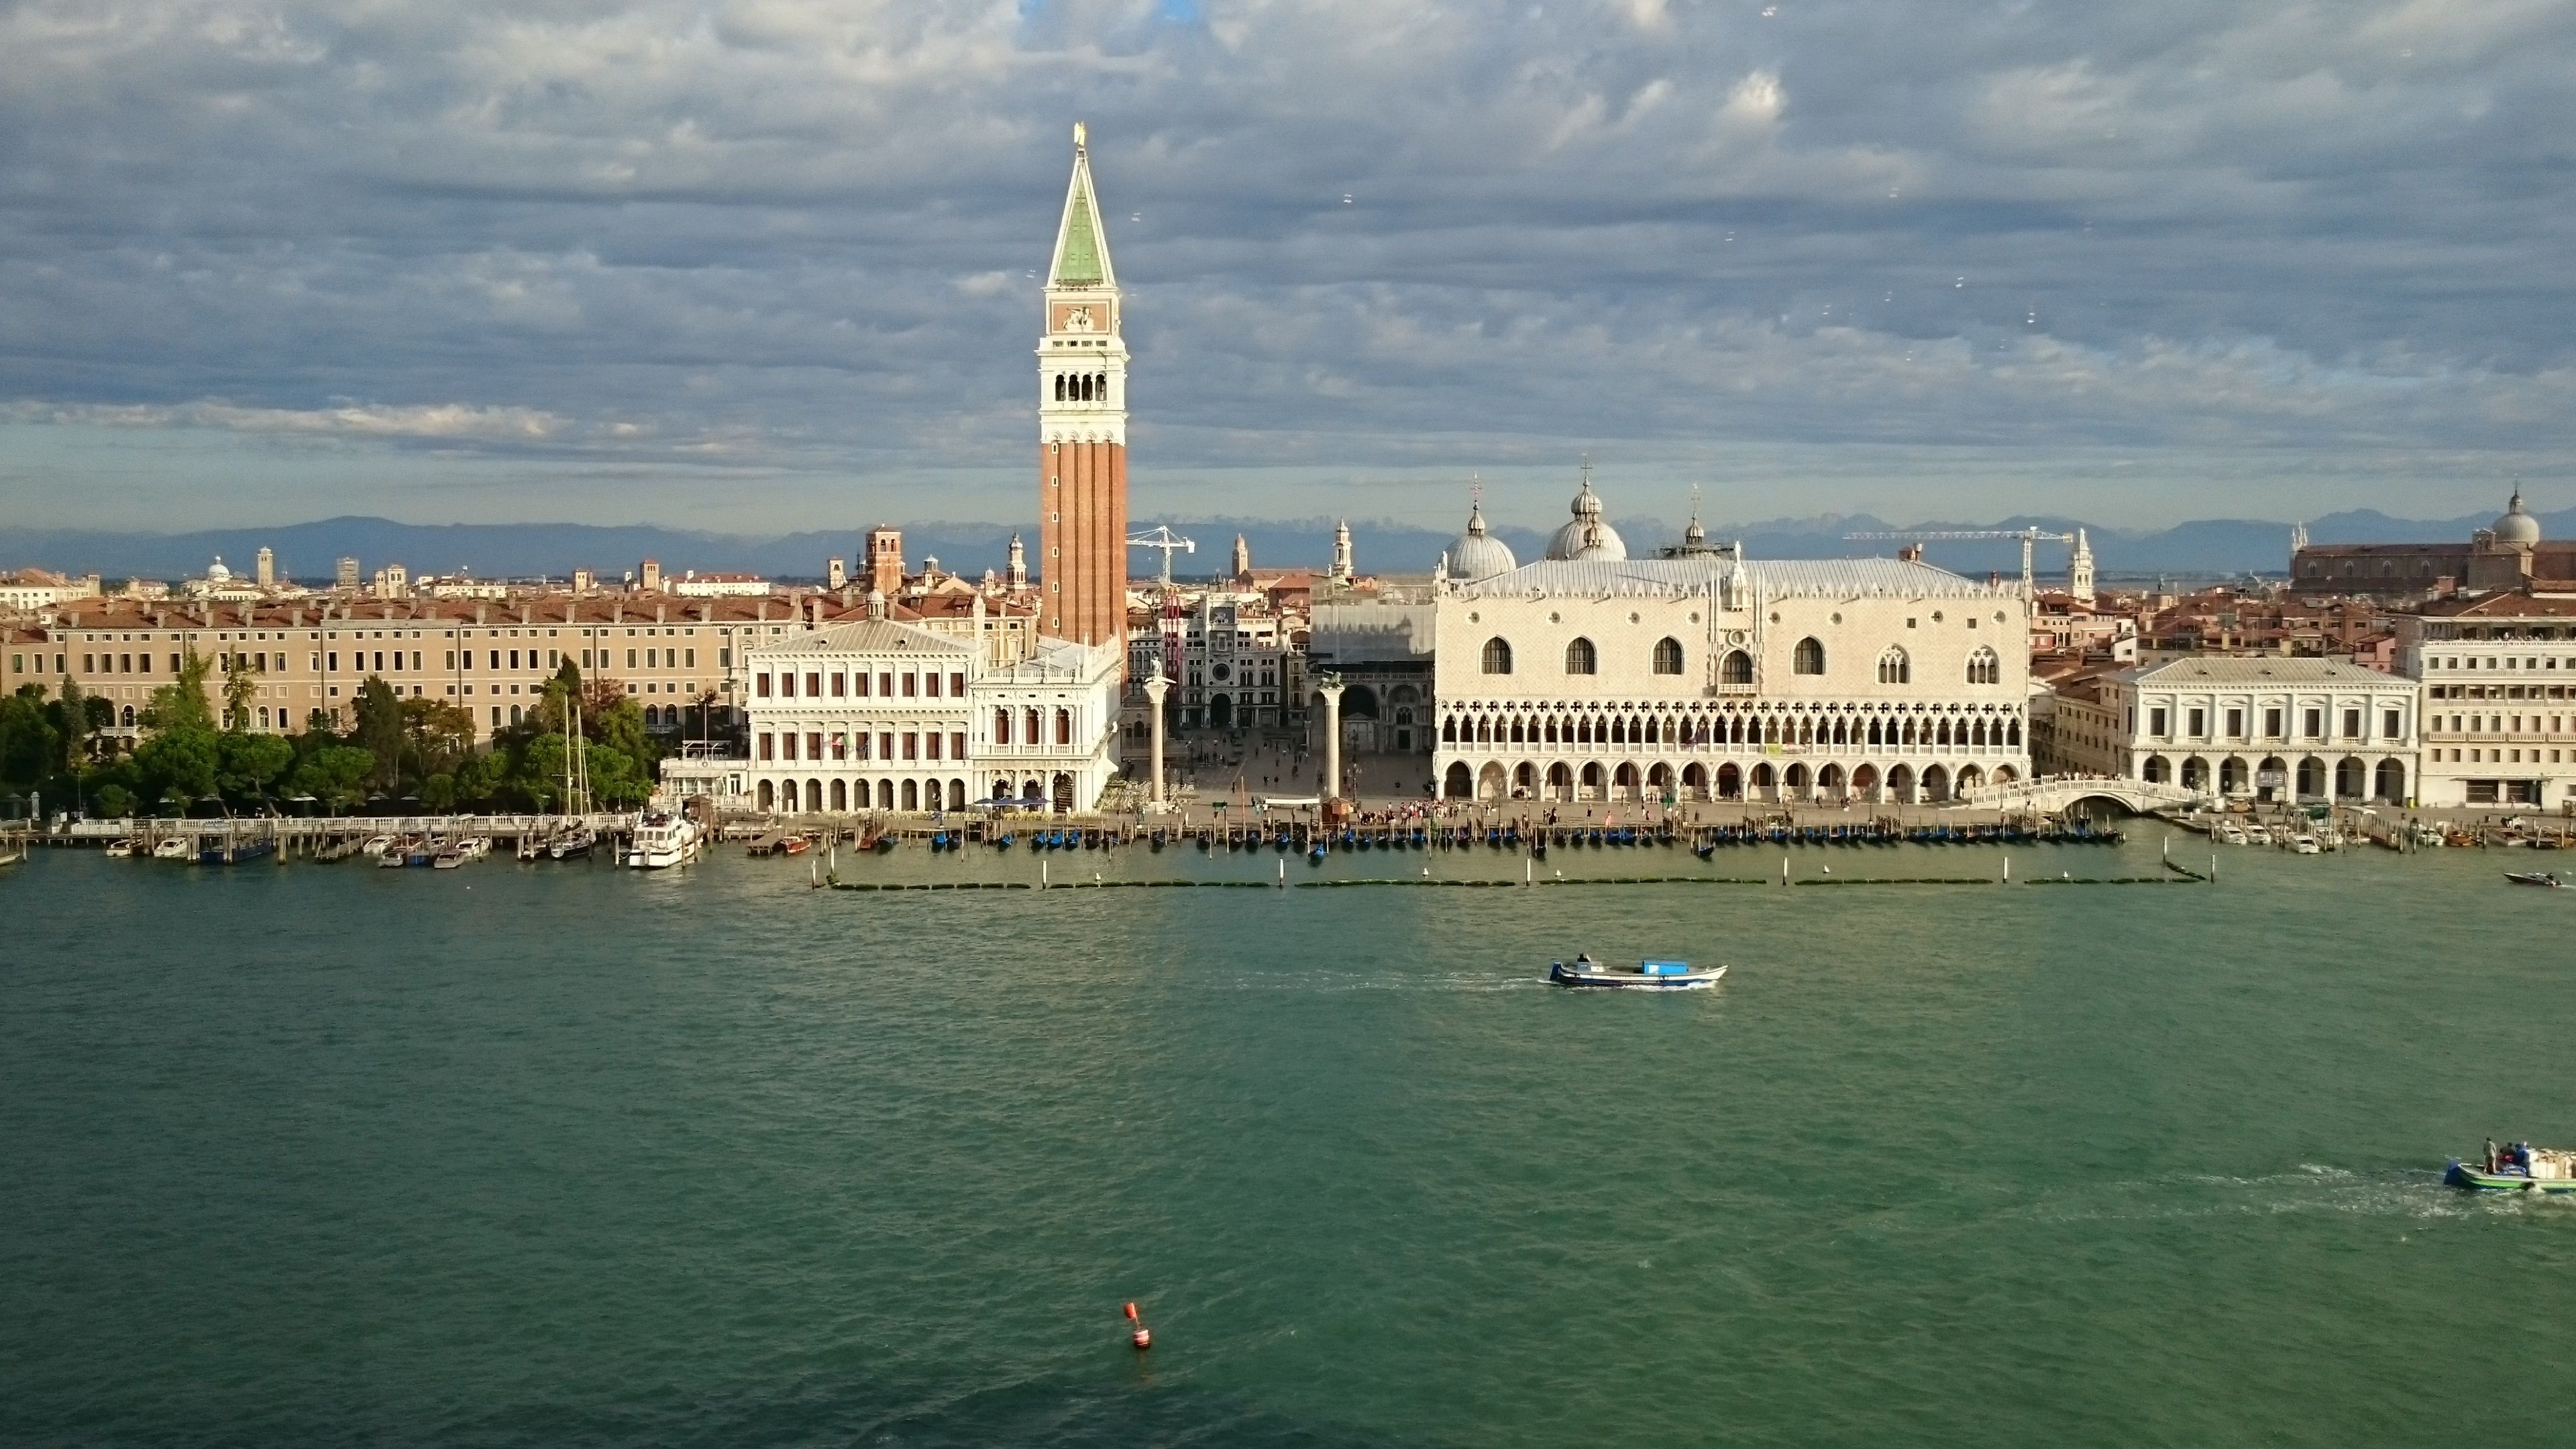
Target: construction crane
pixel 1161 537
pixel 2028 536
pixel 1169 543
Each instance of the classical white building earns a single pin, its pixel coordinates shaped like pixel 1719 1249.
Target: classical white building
pixel 1593 676
pixel 2499 678
pixel 881 715
pixel 2264 726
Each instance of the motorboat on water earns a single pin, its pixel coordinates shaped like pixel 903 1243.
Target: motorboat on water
pixel 2518 1168
pixel 664 838
pixel 175 847
pixel 571 844
pixel 2534 878
pixel 120 849
pixel 1644 976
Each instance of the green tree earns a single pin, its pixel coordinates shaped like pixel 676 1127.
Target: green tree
pixel 335 774
pixel 246 763
pixel 114 802
pixel 621 728
pixel 438 793
pixel 618 778
pixel 380 730
pixel 440 734
pixel 70 718
pixel 241 686
pixel 183 700
pixel 180 760
pixel 539 776
pixel 480 777
pixel 30 746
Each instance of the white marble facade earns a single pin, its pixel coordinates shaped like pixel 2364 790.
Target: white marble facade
pixel 1703 677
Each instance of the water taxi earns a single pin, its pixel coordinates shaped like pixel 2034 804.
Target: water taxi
pixel 1644 976
pixel 2518 1168
pixel 2534 878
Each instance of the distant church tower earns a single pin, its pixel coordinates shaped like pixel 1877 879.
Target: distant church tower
pixel 2079 570
pixel 1082 429
pixel 1341 569
pixel 1242 562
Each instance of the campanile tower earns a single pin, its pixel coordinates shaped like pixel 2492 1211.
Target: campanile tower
pixel 1082 429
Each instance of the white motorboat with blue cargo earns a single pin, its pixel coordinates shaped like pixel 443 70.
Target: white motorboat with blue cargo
pixel 1644 976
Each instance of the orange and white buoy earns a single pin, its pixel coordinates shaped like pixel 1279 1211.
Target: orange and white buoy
pixel 1143 1337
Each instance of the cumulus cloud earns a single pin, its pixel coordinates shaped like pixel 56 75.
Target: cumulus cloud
pixel 800 234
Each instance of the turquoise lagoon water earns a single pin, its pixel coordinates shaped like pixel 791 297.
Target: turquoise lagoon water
pixel 572 1155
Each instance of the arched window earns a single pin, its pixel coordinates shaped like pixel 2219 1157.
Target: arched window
pixel 1059 387
pixel 1064 727
pixel 1001 726
pixel 1580 657
pixel 1809 657
pixel 1498 656
pixel 1102 392
pixel 1895 668
pixel 1668 656
pixel 1449 730
pixel 1984 667
pixel 1735 668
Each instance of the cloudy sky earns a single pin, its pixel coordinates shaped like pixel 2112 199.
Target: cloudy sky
pixel 770 264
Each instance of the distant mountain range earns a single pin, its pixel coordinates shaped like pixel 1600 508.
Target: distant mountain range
pixel 2218 546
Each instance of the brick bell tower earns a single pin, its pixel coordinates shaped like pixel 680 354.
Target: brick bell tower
pixel 1082 430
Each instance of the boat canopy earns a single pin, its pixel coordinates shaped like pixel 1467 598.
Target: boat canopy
pixel 1664 968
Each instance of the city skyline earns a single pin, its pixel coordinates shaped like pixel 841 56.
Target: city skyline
pixel 773 269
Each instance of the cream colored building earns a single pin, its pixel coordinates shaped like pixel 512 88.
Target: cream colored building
pixel 2263 726
pixel 2499 678
pixel 1593 676
pixel 884 715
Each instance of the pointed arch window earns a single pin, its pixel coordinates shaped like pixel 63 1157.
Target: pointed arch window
pixel 1498 655
pixel 1894 667
pixel 1984 667
pixel 1808 657
pixel 1581 657
pixel 1668 656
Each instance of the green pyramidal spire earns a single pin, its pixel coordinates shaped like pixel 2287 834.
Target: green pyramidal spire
pixel 1081 251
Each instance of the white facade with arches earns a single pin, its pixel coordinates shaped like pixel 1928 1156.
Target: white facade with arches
pixel 878 716
pixel 1702 677
pixel 2257 726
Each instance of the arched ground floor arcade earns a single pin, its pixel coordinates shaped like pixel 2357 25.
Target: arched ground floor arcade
pixel 1757 777
pixel 2361 776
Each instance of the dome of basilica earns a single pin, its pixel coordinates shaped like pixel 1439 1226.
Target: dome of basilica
pixel 1586 536
pixel 1477 554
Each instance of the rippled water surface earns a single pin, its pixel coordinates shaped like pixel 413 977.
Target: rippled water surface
pixel 566 1154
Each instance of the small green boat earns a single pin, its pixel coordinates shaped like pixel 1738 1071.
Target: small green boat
pixel 2519 1168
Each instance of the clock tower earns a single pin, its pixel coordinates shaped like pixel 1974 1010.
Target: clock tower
pixel 1082 429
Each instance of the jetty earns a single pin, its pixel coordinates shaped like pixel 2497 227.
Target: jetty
pixel 224 840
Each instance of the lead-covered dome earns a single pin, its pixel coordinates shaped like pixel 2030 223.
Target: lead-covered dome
pixel 1478 555
pixel 2516 526
pixel 1586 536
